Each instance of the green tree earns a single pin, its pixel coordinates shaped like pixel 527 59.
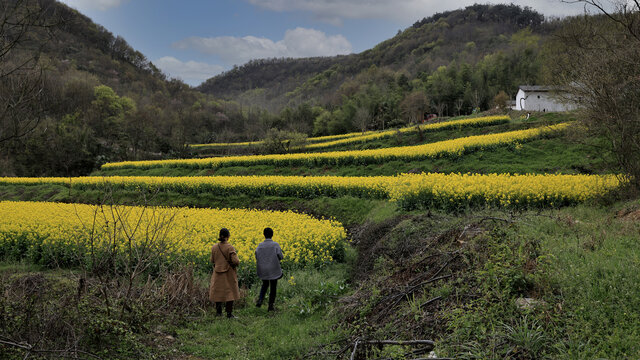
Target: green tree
pixel 414 106
pixel 321 123
pixel 110 113
pixel 500 100
pixel 282 141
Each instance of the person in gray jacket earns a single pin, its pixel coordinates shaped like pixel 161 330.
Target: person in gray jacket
pixel 268 256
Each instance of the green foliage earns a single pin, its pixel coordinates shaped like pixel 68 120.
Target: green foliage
pixel 280 141
pixel 576 265
pixel 595 253
pixel 513 267
pixel 561 154
pixel 313 297
pixel 527 337
pixel 321 123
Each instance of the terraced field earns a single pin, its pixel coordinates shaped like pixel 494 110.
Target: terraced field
pixel 437 191
pixel 327 203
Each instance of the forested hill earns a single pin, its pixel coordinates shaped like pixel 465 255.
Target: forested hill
pixel 460 36
pixel 91 97
pixel 76 41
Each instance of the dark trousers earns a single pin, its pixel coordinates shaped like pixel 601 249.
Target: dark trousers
pixel 273 284
pixel 228 307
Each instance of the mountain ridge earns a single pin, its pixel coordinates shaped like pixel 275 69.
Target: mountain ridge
pixel 421 48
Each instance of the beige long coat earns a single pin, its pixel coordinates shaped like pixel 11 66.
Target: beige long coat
pixel 224 280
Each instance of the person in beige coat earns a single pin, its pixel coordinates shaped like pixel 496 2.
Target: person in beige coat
pixel 224 280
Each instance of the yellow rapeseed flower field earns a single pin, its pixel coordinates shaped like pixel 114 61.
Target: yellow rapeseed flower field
pixel 57 234
pixel 295 186
pixel 444 191
pixel 460 191
pixel 238 144
pixel 454 147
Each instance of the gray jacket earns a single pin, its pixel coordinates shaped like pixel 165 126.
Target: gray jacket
pixel 268 256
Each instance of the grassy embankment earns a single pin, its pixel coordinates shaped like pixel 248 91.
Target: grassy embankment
pixel 408 136
pixel 560 154
pixel 567 154
pixel 558 284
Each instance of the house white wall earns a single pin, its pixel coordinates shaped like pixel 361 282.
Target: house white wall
pixel 543 101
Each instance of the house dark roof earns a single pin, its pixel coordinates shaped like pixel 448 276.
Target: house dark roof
pixel 539 88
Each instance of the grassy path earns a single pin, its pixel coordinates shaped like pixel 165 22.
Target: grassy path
pixel 302 320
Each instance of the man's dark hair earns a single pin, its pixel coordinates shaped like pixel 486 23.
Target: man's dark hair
pixel 268 233
pixel 224 234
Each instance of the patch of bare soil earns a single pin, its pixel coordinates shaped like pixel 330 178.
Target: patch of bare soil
pixel 632 215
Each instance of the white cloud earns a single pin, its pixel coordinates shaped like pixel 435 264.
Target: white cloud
pixel 101 5
pixel 405 11
pixel 191 72
pixel 299 42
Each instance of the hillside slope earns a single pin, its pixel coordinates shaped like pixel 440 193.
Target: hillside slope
pixel 463 36
pixel 77 42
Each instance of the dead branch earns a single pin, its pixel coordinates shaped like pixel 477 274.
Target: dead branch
pixel 427 345
pixel 329 353
pixel 436 255
pixel 402 342
pixel 395 299
pixel 439 271
pixel 428 302
pixel 355 348
pixel 446 264
pixel 29 349
pixel 415 287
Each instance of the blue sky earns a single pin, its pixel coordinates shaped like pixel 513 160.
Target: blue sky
pixel 197 39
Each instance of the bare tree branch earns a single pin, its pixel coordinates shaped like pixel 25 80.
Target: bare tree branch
pixel 22 81
pixel 29 349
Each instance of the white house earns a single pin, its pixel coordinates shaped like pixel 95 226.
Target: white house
pixel 541 98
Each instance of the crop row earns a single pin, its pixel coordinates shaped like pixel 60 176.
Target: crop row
pixel 256 186
pixel 333 140
pixel 472 122
pixel 455 192
pixel 259 142
pixel 453 148
pixel 440 191
pixel 56 234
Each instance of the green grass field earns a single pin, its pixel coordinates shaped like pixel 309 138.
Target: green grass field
pixel 555 155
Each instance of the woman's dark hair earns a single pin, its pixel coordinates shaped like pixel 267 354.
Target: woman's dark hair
pixel 268 233
pixel 224 234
